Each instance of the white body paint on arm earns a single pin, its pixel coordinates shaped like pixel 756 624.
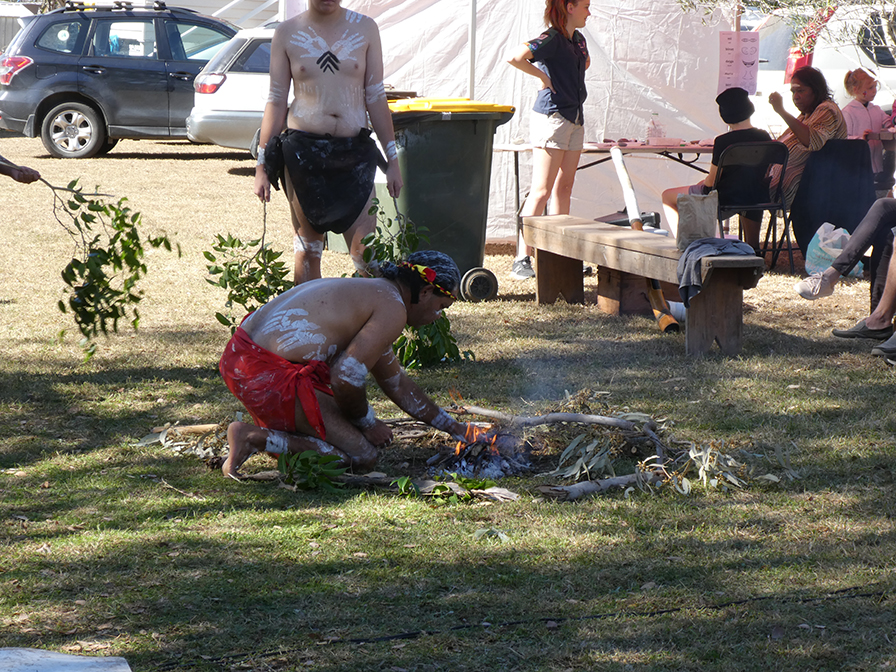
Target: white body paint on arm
pixel 374 93
pixel 352 371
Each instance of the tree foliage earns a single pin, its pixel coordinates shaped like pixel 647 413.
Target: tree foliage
pixel 101 280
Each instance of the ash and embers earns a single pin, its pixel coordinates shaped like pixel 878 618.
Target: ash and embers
pixel 484 455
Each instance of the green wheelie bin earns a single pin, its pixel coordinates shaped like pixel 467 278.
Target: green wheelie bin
pixel 445 152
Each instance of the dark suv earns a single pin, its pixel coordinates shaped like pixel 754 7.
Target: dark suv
pixel 85 76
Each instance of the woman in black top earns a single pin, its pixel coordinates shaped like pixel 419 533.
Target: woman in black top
pixel 558 58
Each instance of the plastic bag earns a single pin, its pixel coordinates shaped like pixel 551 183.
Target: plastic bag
pixel 698 217
pixel 825 246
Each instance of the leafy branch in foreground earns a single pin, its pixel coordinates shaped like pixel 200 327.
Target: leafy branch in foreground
pixel 251 278
pixel 101 278
pixel 392 241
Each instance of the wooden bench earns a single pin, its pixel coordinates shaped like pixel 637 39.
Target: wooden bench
pixel 624 258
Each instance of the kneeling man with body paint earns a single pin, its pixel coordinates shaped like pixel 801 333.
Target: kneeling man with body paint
pixel 299 363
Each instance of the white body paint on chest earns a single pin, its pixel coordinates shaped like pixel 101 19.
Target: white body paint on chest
pixel 348 101
pixel 314 46
pixel 297 331
pixel 352 372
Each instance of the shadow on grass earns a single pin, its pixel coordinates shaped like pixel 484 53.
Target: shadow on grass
pixel 213 153
pixel 213 593
pixel 242 171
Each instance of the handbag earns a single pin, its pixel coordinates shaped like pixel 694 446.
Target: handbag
pixel 698 217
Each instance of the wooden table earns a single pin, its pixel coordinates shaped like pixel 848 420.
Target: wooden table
pixel 686 154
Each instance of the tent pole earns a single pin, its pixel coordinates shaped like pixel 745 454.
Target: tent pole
pixel 472 35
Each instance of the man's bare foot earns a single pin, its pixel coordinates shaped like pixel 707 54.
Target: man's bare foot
pixel 240 451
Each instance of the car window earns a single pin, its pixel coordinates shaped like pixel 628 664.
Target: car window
pixel 255 58
pixel 62 37
pixel 193 41
pixel 227 53
pixel 124 39
pixel 873 41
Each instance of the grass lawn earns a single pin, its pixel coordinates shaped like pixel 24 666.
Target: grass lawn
pixel 113 549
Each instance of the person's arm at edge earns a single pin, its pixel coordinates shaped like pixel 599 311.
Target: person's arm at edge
pixel 378 110
pixel 275 110
pixel 21 174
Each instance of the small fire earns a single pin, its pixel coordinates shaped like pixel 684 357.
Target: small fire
pixel 476 434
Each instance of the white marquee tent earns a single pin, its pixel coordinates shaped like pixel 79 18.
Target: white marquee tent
pixel 647 56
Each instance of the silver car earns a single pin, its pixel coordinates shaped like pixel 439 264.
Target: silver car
pixel 231 91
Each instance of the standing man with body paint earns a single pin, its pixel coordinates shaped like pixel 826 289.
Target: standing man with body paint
pixel 333 59
pixel 299 363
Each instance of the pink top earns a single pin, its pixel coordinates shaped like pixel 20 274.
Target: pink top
pixel 859 119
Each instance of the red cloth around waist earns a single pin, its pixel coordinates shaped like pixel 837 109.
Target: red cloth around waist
pixel 269 385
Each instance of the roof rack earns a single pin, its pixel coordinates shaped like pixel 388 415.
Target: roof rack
pixel 81 5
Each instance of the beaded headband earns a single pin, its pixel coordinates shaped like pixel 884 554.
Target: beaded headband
pixel 428 276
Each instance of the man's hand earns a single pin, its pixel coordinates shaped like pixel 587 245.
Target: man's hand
pixel 262 184
pixel 394 182
pixel 546 83
pixel 24 175
pixel 380 434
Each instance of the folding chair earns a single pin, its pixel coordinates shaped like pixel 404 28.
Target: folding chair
pixel 743 185
pixel 837 186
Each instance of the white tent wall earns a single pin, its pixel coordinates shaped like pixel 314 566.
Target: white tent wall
pixel 646 56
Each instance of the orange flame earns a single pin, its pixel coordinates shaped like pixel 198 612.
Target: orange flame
pixel 474 434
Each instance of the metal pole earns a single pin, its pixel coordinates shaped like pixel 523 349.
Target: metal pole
pixel 472 35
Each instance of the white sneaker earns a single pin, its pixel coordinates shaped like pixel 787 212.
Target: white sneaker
pixel 816 286
pixel 522 269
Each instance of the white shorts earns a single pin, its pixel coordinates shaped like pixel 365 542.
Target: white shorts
pixel 555 132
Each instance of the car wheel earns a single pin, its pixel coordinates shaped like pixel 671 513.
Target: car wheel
pixel 73 131
pixel 107 146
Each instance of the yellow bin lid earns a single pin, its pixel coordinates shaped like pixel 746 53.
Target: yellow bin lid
pixel 445 105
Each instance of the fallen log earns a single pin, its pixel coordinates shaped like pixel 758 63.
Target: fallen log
pixel 550 418
pixel 186 429
pixel 568 493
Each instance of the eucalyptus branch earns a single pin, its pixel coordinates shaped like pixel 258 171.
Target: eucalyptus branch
pixel 101 278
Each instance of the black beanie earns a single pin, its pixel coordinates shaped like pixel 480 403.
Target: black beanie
pixel 735 105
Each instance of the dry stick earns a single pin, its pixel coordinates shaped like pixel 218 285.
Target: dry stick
pixel 187 429
pixel 534 421
pixel 187 494
pixel 571 492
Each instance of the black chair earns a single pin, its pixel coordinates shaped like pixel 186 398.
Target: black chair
pixel 837 186
pixel 743 185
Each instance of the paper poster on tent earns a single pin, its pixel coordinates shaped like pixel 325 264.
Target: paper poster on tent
pixel 738 60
